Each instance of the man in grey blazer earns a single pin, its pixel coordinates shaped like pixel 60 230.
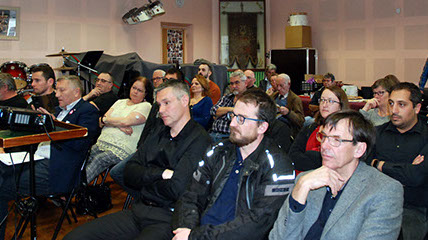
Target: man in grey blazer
pixel 345 198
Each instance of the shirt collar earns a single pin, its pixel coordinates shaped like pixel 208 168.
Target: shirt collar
pixel 418 128
pixel 70 106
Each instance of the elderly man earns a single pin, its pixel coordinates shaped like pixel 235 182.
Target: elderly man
pixel 57 172
pixel 220 128
pixel 327 81
pixel 102 96
pixel 228 195
pixel 160 170
pixel 345 198
pixel 205 70
pixel 401 146
pixel 8 95
pixel 265 84
pixel 290 107
pixel 251 79
pixel 158 77
pixel 43 83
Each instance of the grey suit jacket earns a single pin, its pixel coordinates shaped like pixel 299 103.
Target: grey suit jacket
pixel 370 207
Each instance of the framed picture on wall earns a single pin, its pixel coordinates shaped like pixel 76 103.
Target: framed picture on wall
pixel 9 23
pixel 173 45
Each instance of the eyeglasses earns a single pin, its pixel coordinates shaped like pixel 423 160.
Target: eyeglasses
pixel 234 83
pixel 138 90
pixel 241 119
pixel 380 93
pixel 333 140
pixel 102 80
pixel 327 101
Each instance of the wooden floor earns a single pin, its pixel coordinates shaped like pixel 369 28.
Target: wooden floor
pixel 49 214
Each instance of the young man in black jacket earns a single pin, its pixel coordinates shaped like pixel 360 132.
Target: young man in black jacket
pixel 160 170
pixel 240 183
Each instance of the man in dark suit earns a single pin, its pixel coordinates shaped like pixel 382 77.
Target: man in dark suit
pixel 63 159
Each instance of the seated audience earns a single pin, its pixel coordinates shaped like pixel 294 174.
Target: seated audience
pixel 241 201
pixel 266 83
pixel 43 83
pixel 305 150
pixel 220 127
pixel 345 198
pixel 327 81
pixel 200 101
pixel 102 96
pixel 8 95
pixel 122 126
pixel 401 146
pixel 377 109
pixel 63 159
pixel 158 77
pixel 290 107
pixel 274 88
pixel 160 170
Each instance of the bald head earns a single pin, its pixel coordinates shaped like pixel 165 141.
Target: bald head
pixel 251 79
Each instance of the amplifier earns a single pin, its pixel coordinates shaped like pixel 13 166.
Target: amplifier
pixel 22 119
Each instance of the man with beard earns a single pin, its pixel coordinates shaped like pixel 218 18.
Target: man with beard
pixel 344 198
pixel 160 170
pixel 43 82
pixel 240 183
pixel 220 128
pixel 401 146
pixel 205 70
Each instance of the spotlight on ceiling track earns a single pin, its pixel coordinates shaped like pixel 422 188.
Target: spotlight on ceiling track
pixel 144 13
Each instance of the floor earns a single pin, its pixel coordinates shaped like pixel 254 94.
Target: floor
pixel 49 214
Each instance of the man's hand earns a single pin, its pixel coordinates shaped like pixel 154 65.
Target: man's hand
pixel 181 233
pixel 167 174
pixel 318 178
pixel 93 93
pixel 44 111
pixel 418 160
pixel 284 110
pixel 370 104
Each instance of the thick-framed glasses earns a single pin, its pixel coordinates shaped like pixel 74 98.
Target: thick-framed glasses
pixel 334 141
pixel 380 93
pixel 327 101
pixel 138 90
pixel 102 80
pixel 241 119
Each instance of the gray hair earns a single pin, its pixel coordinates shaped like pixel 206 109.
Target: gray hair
pixel 161 71
pixel 7 80
pixel 284 76
pixel 74 82
pixel 240 74
pixel 179 88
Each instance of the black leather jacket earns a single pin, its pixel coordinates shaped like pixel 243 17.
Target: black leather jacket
pixel 265 181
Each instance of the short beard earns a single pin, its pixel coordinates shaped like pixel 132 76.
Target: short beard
pixel 244 141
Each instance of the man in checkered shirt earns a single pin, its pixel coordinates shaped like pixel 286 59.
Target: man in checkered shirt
pixel 220 128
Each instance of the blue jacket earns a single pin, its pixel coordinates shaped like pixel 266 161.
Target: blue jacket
pixel 67 156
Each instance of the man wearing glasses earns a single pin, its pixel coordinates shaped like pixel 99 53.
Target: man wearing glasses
pixel 220 128
pixel 102 96
pixel 240 183
pixel 157 78
pixel 344 198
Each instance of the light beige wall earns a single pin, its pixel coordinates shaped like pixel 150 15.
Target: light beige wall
pixel 361 41
pixel 83 25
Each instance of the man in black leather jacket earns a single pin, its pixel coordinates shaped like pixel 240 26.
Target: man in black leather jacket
pixel 240 183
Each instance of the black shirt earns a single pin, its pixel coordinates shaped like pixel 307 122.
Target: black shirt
pixel 16 101
pixel 104 101
pixel 316 97
pixel 398 150
pixel 160 151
